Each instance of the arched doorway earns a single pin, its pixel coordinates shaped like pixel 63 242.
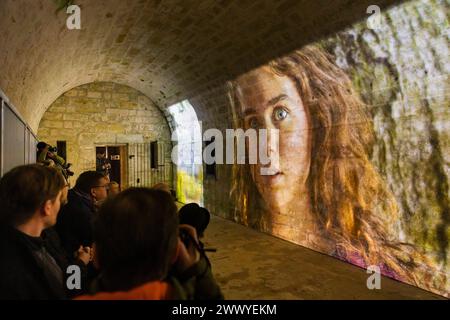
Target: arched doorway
pixel 187 154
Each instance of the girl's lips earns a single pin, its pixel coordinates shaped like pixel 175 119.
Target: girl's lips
pixel 270 173
pixel 273 177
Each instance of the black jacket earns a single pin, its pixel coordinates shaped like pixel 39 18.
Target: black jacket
pixel 74 225
pixel 54 247
pixel 21 276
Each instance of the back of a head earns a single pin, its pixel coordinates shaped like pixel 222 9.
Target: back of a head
pixel 196 216
pixel 88 180
pixel 41 145
pixel 24 189
pixel 136 236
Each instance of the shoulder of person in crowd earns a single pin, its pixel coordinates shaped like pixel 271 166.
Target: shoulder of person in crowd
pixel 195 283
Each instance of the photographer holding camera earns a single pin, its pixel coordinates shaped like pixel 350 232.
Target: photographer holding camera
pixel 47 155
pixel 102 164
pixel 153 258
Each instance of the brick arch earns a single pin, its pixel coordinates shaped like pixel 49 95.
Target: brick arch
pixel 104 113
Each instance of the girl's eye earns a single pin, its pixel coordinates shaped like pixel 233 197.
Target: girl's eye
pixel 253 123
pixel 279 114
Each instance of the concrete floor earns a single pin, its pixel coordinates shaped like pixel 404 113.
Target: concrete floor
pixel 252 265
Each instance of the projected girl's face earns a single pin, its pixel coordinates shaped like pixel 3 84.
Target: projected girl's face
pixel 270 101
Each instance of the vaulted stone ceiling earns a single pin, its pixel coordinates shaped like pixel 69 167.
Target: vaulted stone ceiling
pixel 168 50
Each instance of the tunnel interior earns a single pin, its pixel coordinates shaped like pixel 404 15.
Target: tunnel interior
pixel 358 97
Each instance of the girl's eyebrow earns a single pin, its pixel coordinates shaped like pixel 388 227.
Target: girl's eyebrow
pixel 248 112
pixel 277 99
pixel 271 102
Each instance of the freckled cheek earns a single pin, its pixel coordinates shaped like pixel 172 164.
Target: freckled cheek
pixel 293 144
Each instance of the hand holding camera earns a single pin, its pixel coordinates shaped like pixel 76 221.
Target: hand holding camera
pixel 46 152
pixel 188 248
pixel 84 254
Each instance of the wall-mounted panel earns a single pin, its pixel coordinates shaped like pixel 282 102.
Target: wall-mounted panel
pixel 17 140
pixel 13 148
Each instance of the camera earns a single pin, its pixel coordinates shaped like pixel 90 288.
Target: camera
pixel 65 170
pixel 185 238
pixel 42 145
pixel 51 156
pixel 188 240
pixel 68 172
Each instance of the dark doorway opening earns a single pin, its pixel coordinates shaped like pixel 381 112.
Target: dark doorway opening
pixel 116 156
pixel 61 146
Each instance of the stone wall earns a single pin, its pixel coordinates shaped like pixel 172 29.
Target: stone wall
pixel 400 70
pixel 104 113
pixel 166 49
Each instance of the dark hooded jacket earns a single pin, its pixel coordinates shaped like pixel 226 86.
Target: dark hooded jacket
pixel 74 225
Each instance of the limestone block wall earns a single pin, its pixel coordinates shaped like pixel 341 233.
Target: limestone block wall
pixel 104 113
pixel 400 70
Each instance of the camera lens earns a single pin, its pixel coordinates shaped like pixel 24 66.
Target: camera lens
pixel 185 237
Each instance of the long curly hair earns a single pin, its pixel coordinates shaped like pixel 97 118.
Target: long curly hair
pixel 350 202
